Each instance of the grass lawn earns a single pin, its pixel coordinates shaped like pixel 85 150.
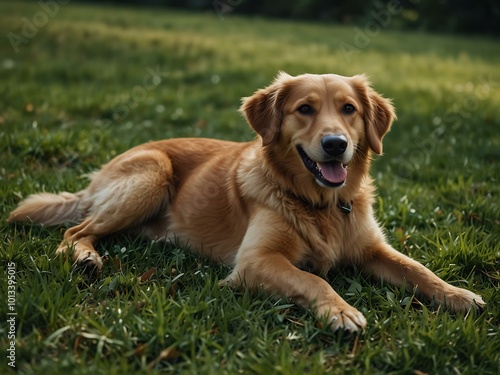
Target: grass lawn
pixel 92 81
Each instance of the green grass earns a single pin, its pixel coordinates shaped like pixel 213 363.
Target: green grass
pixel 62 115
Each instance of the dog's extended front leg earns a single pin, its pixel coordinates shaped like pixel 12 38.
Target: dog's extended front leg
pixel 390 265
pixel 265 259
pixel 276 274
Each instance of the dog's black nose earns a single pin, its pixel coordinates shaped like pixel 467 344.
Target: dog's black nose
pixel 334 144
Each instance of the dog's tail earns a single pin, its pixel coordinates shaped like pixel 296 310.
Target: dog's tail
pixel 48 209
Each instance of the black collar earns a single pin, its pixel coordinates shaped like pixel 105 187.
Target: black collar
pixel 345 207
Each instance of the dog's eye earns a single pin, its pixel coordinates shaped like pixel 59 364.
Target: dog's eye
pixel 305 109
pixel 348 109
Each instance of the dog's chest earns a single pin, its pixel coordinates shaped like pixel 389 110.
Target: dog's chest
pixel 327 241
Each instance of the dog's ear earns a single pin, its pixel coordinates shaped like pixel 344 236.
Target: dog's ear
pixel 264 109
pixel 378 113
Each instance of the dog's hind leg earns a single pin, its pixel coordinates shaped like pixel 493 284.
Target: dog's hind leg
pixel 131 189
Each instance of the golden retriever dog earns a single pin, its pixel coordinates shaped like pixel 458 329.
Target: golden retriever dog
pixel 282 210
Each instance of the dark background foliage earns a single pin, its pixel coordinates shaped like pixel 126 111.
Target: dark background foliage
pixel 450 16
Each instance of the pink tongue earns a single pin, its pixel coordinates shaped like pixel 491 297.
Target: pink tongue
pixel 333 172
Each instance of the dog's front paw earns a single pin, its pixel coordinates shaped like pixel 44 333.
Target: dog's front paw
pixel 346 317
pixel 459 299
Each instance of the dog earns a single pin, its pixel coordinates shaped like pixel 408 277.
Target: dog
pixel 281 210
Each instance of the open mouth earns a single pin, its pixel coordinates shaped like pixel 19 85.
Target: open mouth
pixel 330 174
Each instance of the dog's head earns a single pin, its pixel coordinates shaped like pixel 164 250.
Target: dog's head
pixel 324 120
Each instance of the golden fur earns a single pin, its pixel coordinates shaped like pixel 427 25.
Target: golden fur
pixel 256 206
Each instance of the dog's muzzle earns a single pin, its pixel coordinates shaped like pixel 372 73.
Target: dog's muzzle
pixel 330 173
